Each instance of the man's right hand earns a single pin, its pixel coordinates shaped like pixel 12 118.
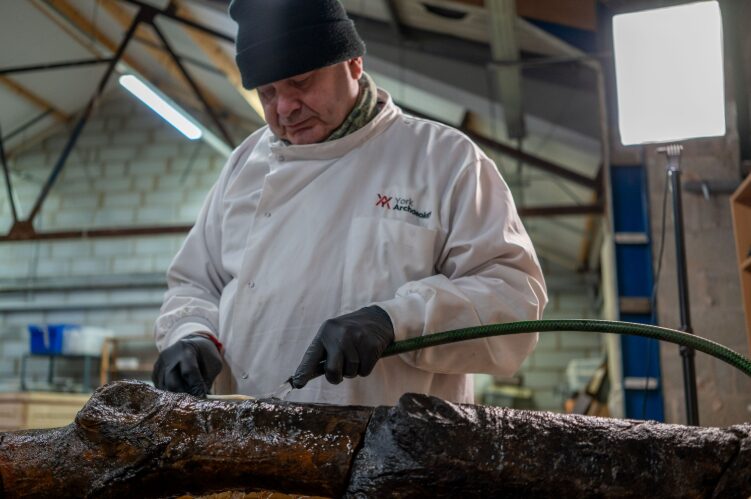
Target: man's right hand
pixel 188 366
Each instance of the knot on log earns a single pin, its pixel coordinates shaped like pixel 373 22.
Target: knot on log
pixel 117 407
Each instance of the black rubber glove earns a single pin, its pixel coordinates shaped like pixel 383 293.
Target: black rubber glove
pixel 188 366
pixel 350 344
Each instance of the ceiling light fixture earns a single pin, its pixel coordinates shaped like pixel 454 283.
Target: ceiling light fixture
pixel 669 73
pixel 159 105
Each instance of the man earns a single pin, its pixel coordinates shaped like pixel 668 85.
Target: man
pixel 342 226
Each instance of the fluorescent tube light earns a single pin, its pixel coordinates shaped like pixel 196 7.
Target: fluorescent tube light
pixel 669 73
pixel 160 106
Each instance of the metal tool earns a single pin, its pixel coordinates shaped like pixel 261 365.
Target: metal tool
pixel 236 397
pixel 280 393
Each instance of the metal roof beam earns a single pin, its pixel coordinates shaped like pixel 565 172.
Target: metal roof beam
pixel 396 25
pixel 561 210
pixel 183 20
pixel 165 59
pixel 8 185
pixel 504 47
pixel 217 55
pixel 527 158
pixel 74 23
pixel 95 233
pixel 208 108
pixel 34 99
pixel 79 126
pixel 51 65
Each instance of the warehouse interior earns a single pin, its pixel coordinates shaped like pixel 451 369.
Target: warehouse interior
pixel 99 191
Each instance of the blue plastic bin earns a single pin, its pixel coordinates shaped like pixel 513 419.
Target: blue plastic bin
pixel 48 339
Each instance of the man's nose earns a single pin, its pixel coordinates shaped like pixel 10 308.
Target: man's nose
pixel 287 105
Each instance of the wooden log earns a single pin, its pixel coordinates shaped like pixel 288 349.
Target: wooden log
pixel 131 440
pixel 426 447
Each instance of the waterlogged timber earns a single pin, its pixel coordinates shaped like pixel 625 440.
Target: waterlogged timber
pixel 131 440
pixel 425 447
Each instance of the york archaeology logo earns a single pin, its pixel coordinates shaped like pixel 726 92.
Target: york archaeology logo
pixel 400 204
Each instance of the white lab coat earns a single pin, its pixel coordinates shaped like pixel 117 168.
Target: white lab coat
pixel 405 213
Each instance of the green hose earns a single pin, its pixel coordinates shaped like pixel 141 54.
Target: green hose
pixel 595 326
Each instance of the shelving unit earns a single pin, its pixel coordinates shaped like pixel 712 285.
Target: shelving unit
pixel 127 358
pixel 740 206
pixel 88 363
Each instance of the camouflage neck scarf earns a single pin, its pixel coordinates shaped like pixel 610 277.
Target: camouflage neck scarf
pixel 365 109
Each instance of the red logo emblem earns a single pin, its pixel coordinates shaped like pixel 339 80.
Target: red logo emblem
pixel 384 201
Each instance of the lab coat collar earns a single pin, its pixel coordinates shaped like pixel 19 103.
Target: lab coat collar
pixel 338 148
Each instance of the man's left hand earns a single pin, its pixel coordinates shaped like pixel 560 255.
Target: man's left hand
pixel 350 344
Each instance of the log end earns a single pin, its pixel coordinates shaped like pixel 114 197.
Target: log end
pixel 450 449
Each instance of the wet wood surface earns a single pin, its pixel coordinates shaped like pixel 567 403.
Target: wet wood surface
pixel 425 447
pixel 131 440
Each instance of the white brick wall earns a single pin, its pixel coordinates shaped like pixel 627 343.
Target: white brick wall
pixel 13 269
pixel 189 211
pixel 111 185
pixel 115 217
pixel 144 182
pixel 51 268
pixel 132 265
pixel 173 182
pixel 132 138
pixel 79 249
pixel 153 246
pixel 122 200
pixel 126 170
pixel 88 267
pixel 163 198
pixel 114 169
pixel 545 369
pixel 117 153
pixel 88 201
pixel 148 166
pixel 75 171
pixel 73 218
pixel 113 247
pixel 161 151
pixel 94 137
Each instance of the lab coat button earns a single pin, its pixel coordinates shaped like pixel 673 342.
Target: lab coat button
pixel 251 284
pixel 267 214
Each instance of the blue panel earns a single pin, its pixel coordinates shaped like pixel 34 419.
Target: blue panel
pixel 638 318
pixel 581 38
pixel 634 269
pixel 637 352
pixel 641 359
pixel 644 404
pixel 640 356
pixel 629 199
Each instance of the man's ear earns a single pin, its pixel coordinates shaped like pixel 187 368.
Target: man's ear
pixel 355 67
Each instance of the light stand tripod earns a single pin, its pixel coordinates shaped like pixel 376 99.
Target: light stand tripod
pixel 673 153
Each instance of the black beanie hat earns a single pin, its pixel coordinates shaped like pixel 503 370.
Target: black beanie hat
pixel 277 39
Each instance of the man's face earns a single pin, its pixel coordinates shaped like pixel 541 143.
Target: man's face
pixel 306 108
